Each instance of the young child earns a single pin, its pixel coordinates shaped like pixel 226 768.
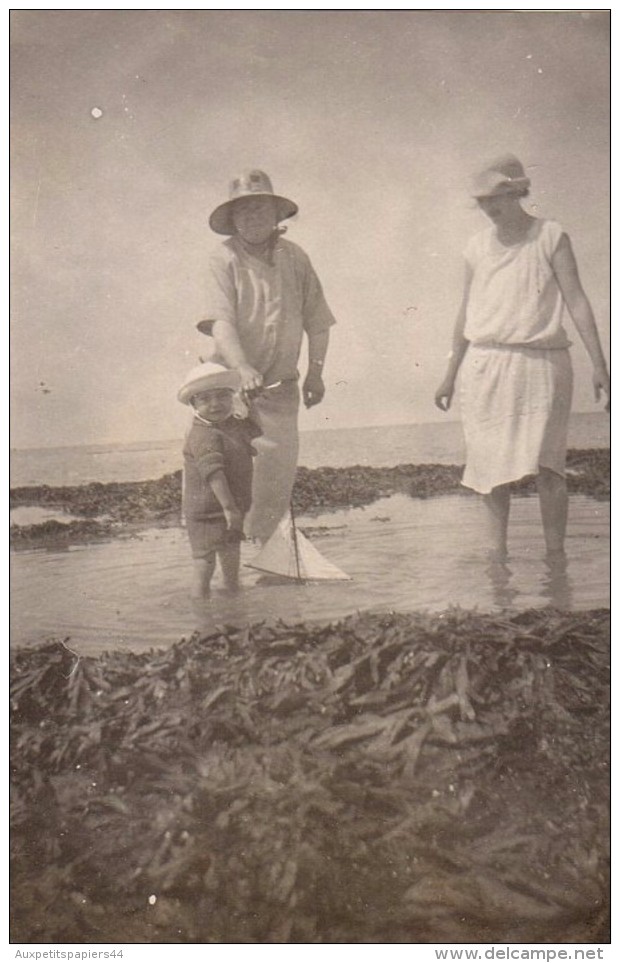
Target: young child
pixel 521 284
pixel 217 481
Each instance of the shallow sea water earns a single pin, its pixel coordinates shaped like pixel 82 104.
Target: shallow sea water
pixel 401 553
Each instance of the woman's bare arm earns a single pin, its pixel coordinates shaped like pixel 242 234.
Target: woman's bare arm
pixel 567 275
pixel 445 392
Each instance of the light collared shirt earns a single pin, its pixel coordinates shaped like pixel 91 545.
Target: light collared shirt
pixel 269 304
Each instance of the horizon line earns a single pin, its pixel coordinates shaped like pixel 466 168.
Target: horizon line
pixel 302 431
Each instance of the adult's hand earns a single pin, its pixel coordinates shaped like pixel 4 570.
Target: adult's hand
pixel 250 377
pixel 313 389
pixel 444 393
pixel 600 382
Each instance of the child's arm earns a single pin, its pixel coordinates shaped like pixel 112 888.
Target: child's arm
pixel 209 455
pixel 221 490
pixel 443 395
pixel 313 387
pixel 229 346
pixel 567 275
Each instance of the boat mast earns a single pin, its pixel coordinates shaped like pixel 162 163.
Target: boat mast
pixel 295 542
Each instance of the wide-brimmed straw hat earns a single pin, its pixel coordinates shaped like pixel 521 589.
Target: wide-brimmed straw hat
pixel 505 175
pixel 206 376
pixel 250 183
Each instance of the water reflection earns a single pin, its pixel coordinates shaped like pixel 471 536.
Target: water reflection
pixel 250 603
pixel 556 584
pixel 553 582
pixel 500 578
pixel 221 608
pixel 428 555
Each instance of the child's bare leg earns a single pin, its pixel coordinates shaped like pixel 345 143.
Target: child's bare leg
pixel 553 496
pixel 497 504
pixel 229 556
pixel 203 573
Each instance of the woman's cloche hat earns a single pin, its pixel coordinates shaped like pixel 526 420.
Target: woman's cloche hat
pixel 206 376
pixel 250 183
pixel 505 175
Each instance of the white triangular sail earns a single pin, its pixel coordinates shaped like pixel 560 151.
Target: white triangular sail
pixel 291 554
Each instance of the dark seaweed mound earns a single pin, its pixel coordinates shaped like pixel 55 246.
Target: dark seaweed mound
pixel 128 506
pixel 384 778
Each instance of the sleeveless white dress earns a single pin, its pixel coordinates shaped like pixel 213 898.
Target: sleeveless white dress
pixel 516 378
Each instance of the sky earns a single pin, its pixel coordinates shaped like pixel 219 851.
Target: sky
pixel 127 127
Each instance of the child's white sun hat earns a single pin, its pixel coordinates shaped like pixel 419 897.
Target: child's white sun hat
pixel 504 175
pixel 249 184
pixel 206 376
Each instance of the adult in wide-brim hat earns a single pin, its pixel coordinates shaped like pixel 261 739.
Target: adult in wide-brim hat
pixel 504 175
pixel 253 183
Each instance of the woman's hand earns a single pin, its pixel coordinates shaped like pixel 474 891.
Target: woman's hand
pixel 444 393
pixel 251 379
pixel 600 381
pixel 313 389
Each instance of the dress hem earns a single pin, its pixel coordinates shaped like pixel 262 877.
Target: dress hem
pixel 513 480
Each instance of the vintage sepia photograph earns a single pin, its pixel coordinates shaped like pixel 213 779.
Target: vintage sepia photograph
pixel 310 477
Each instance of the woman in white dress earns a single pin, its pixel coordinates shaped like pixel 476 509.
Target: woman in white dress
pixel 521 283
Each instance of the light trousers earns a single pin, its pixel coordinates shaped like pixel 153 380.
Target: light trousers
pixel 275 464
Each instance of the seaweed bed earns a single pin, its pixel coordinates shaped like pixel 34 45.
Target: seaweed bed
pixel 382 779
pixel 126 506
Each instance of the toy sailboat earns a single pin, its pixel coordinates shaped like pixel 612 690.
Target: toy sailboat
pixel 290 554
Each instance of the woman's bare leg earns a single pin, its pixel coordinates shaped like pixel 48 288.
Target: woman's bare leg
pixel 553 496
pixel 497 504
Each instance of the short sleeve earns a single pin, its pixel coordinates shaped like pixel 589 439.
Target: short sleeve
pixel 550 237
pixel 221 294
pixel 316 313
